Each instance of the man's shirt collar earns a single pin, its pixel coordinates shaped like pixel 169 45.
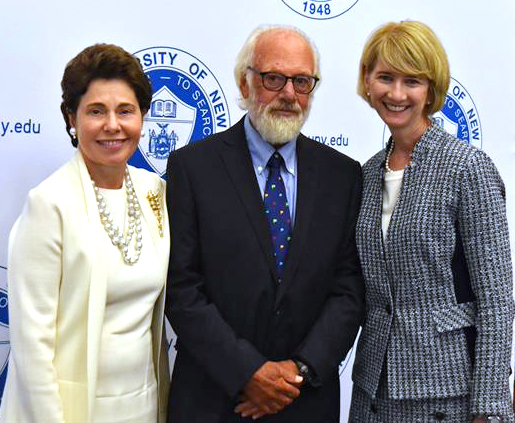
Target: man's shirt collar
pixel 261 150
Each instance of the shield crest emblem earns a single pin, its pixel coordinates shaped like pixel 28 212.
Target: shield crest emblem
pixel 169 126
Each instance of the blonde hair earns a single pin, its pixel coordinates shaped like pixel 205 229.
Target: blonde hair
pixel 245 57
pixel 412 48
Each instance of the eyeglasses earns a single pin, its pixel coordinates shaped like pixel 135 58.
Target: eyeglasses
pixel 274 81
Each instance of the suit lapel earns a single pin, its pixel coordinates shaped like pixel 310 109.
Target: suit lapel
pixel 142 187
pixel 236 157
pixel 306 196
pixel 97 279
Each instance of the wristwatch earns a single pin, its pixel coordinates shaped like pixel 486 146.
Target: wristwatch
pixel 303 370
pixel 493 419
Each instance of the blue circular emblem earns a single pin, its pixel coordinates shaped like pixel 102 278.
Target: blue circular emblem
pixel 320 9
pixel 5 346
pixel 188 104
pixel 458 116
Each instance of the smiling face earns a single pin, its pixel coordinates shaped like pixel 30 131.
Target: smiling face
pixel 278 115
pixel 399 99
pixel 108 123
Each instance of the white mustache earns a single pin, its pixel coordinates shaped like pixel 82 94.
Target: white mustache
pixel 284 105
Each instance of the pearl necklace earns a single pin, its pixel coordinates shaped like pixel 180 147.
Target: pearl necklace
pixel 120 239
pixel 387 160
pixel 387 167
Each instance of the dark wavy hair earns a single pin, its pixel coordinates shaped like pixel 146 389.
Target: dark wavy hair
pixel 102 61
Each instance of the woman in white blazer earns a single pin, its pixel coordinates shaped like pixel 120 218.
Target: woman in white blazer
pixel 87 264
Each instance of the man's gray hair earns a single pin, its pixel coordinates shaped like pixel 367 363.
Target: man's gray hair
pixel 245 57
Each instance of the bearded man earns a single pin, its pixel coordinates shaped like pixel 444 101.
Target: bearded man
pixel 264 286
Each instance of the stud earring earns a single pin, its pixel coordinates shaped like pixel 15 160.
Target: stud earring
pixel 142 133
pixel 73 132
pixel 368 94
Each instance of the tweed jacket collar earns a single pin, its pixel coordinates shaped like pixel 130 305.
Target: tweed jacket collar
pixel 426 143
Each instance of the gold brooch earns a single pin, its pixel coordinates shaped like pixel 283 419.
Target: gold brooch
pixel 155 204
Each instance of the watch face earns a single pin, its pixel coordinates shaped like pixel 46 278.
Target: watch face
pixel 493 419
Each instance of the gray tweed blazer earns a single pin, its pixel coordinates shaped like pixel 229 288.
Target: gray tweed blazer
pixel 413 319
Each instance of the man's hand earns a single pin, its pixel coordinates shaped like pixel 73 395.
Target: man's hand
pixel 271 388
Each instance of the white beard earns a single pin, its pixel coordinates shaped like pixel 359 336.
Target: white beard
pixel 277 130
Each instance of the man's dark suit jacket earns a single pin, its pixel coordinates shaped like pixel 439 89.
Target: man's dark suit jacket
pixel 223 298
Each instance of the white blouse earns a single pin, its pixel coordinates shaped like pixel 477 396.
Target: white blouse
pixel 392 188
pixel 126 386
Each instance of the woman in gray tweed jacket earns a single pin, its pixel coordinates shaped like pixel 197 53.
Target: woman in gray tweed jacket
pixel 434 246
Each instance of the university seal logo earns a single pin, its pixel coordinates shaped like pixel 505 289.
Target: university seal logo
pixel 458 116
pixel 188 104
pixel 5 346
pixel 320 9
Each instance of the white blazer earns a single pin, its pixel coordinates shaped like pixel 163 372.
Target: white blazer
pixel 57 294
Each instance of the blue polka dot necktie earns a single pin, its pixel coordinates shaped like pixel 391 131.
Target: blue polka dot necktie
pixel 277 212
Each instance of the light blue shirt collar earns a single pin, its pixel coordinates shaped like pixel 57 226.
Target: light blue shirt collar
pixel 261 151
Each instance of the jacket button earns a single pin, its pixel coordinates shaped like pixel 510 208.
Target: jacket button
pixel 439 415
pixel 388 309
pixel 278 312
pixel 373 408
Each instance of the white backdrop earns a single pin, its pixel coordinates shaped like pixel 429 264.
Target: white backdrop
pixel 38 39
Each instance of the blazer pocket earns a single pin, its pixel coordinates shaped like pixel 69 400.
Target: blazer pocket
pixel 455 317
